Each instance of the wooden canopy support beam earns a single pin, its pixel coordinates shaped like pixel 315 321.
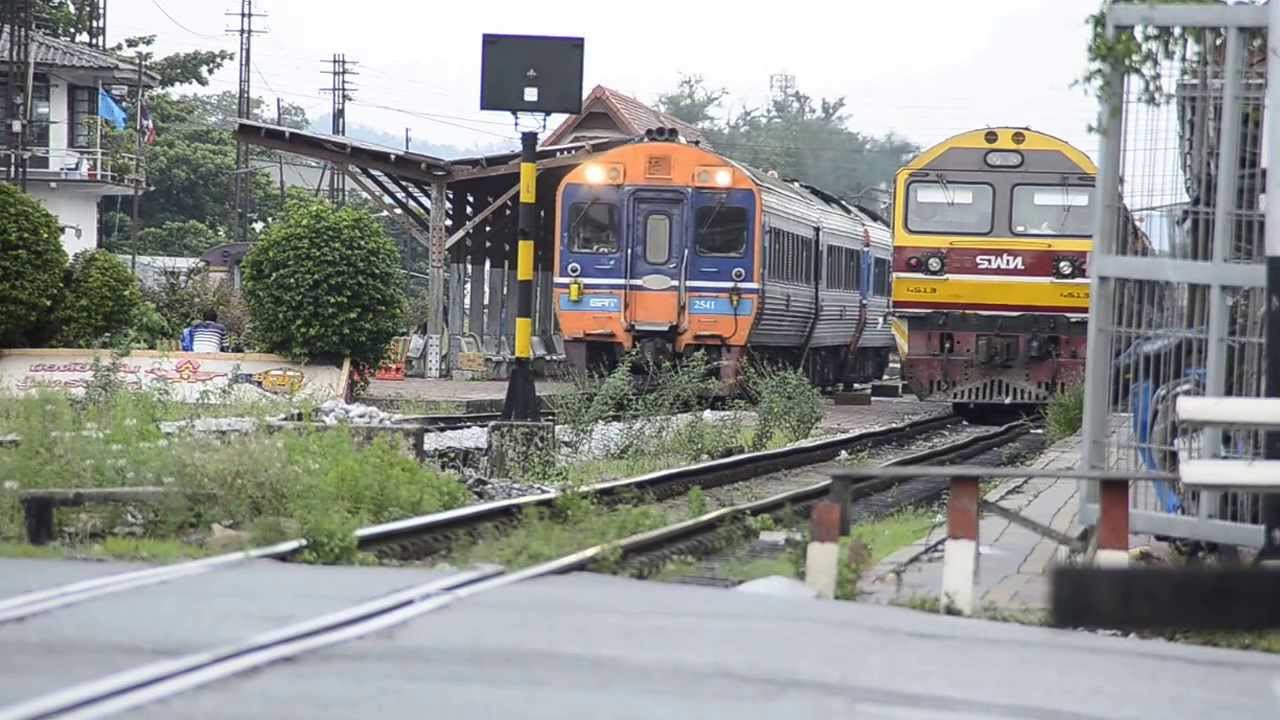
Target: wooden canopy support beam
pixel 480 216
pixel 338 155
pixel 410 226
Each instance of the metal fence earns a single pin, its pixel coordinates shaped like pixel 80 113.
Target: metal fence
pixel 1178 261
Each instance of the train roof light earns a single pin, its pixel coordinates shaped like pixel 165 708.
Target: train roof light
pixel 1004 158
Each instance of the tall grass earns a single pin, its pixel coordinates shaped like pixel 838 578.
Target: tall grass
pixel 1064 414
pixel 321 484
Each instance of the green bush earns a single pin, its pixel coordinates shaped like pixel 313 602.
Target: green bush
pixel 32 262
pixel 788 407
pixel 184 301
pixel 103 298
pixel 1065 413
pixel 325 283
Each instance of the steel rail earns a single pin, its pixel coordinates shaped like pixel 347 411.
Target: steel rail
pixel 713 473
pixel 708 474
pixel 132 688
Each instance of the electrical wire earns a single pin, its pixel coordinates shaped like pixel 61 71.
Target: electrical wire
pixel 174 20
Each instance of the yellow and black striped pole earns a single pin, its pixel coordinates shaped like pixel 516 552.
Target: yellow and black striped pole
pixel 522 397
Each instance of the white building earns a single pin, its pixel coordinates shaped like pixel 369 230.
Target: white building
pixel 67 169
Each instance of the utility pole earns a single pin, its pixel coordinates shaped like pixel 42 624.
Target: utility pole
pixel 244 188
pixel 341 90
pixel 137 170
pixel 97 21
pixel 17 23
pixel 280 122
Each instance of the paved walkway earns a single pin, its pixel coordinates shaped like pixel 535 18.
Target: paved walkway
pixel 1013 560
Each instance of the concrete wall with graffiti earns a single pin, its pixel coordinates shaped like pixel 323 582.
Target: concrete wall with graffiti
pixel 184 377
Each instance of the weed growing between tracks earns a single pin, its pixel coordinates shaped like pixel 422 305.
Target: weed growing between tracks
pixel 265 487
pixel 574 522
pixel 1065 413
pixel 658 428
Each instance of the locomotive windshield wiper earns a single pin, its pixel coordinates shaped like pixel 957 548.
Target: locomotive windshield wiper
pixel 946 191
pixel 581 215
pixel 715 211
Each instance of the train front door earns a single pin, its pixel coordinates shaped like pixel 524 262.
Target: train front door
pixel 656 255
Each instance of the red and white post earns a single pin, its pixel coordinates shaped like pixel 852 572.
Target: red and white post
pixel 960 554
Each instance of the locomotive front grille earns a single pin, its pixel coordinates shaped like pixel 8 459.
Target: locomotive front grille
pixel 994 390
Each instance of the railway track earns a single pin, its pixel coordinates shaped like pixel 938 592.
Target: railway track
pixel 132 688
pixel 429 535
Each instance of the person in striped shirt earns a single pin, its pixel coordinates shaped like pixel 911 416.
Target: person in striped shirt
pixel 209 335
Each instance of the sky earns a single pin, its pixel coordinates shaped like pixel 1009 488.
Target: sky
pixel 924 69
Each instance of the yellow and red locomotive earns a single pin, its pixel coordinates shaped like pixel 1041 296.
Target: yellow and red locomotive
pixel 669 247
pixel 992 234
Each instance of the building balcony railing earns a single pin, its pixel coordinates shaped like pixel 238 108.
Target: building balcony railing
pixel 83 164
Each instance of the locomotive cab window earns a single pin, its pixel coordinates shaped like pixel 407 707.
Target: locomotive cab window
pixel 949 208
pixel 593 228
pixel 721 230
pixel 1052 210
pixel 657 238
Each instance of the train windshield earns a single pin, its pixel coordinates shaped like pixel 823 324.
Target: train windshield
pixel 949 208
pixel 721 230
pixel 593 227
pixel 1052 210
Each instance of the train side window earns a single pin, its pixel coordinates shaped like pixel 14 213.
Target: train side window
pixel 657 238
pixel 880 278
pixel 593 228
pixel 856 259
pixel 721 230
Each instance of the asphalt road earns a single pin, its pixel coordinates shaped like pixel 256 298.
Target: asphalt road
pixel 131 628
pixel 601 647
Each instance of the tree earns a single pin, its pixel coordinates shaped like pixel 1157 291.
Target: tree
pixel 32 262
pixel 174 239
pixel 325 282
pixel 102 298
pixel 692 101
pixel 795 135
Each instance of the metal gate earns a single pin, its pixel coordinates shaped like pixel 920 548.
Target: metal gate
pixel 1178 260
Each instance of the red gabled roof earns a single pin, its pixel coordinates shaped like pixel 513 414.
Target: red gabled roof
pixel 631 116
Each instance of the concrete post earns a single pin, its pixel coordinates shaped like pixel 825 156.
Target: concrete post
pixel 521 451
pixel 960 554
pixel 822 557
pixel 1113 524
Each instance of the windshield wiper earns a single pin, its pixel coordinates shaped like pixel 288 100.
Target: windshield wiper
pixel 574 225
pixel 715 211
pixel 1066 202
pixel 946 191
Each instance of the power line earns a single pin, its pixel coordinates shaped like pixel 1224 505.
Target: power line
pixel 174 20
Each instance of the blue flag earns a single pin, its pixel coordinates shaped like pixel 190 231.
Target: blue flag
pixel 108 110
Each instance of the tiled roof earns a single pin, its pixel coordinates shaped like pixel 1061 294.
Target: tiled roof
pixel 633 117
pixel 55 53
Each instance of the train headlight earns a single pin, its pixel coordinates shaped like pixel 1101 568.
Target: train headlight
pixel 913 262
pixel 1065 267
pixel 574 269
pixel 738 274
pixel 934 264
pixel 603 173
pixel 713 176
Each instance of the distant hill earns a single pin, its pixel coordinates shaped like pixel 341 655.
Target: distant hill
pixel 377 136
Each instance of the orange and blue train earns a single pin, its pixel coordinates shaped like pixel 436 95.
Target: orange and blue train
pixel 669 248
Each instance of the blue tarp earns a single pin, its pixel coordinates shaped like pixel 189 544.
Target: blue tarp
pixel 110 111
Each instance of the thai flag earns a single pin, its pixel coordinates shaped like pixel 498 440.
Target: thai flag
pixel 148 125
